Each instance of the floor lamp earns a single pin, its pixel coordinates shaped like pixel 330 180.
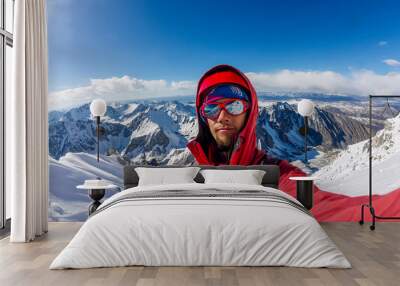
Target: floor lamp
pixel 98 108
pixel 305 107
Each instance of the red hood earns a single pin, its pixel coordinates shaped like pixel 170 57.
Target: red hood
pixel 245 150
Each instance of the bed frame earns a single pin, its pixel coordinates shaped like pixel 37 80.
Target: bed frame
pixel 270 179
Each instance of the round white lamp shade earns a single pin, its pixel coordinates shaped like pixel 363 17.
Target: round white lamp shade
pixel 305 107
pixel 98 107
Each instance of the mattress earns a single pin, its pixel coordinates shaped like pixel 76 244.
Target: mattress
pixel 201 225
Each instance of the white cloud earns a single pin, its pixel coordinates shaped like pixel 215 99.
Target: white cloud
pixel 361 82
pixel 392 62
pixel 119 88
pixel 289 80
pixel 382 43
pixel 186 84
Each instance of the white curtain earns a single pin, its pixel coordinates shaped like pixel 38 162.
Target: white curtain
pixel 28 153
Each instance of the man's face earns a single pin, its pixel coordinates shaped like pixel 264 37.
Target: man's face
pixel 225 127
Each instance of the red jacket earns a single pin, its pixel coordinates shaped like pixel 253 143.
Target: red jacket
pixel 245 150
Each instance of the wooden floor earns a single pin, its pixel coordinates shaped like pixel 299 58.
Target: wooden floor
pixel 375 257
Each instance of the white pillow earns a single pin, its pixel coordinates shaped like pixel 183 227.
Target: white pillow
pixel 248 177
pixel 166 176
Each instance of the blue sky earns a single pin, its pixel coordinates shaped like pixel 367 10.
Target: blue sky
pixel 179 40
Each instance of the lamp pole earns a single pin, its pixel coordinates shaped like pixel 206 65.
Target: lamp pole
pixel 305 138
pixel 98 108
pixel 305 107
pixel 98 137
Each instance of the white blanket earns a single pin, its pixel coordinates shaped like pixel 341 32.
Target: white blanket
pixel 200 230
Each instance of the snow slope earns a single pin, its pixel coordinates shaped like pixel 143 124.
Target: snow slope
pixel 66 202
pixel 70 204
pixel 332 207
pixel 348 174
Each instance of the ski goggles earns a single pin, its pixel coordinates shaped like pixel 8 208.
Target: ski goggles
pixel 232 106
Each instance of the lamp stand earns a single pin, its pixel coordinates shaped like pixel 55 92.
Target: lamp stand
pixel 98 136
pixel 305 138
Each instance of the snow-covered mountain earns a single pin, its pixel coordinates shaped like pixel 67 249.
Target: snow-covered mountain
pixel 157 132
pixel 279 124
pixel 348 172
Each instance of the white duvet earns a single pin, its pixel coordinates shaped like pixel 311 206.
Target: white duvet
pixel 227 231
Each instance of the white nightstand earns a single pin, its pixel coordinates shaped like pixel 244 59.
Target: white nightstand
pixel 305 190
pixel 96 193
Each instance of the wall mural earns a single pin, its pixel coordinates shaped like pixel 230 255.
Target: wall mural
pixel 171 129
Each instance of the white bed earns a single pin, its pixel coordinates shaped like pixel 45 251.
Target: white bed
pixel 250 225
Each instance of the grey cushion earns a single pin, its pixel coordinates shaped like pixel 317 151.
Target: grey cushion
pixel 270 179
